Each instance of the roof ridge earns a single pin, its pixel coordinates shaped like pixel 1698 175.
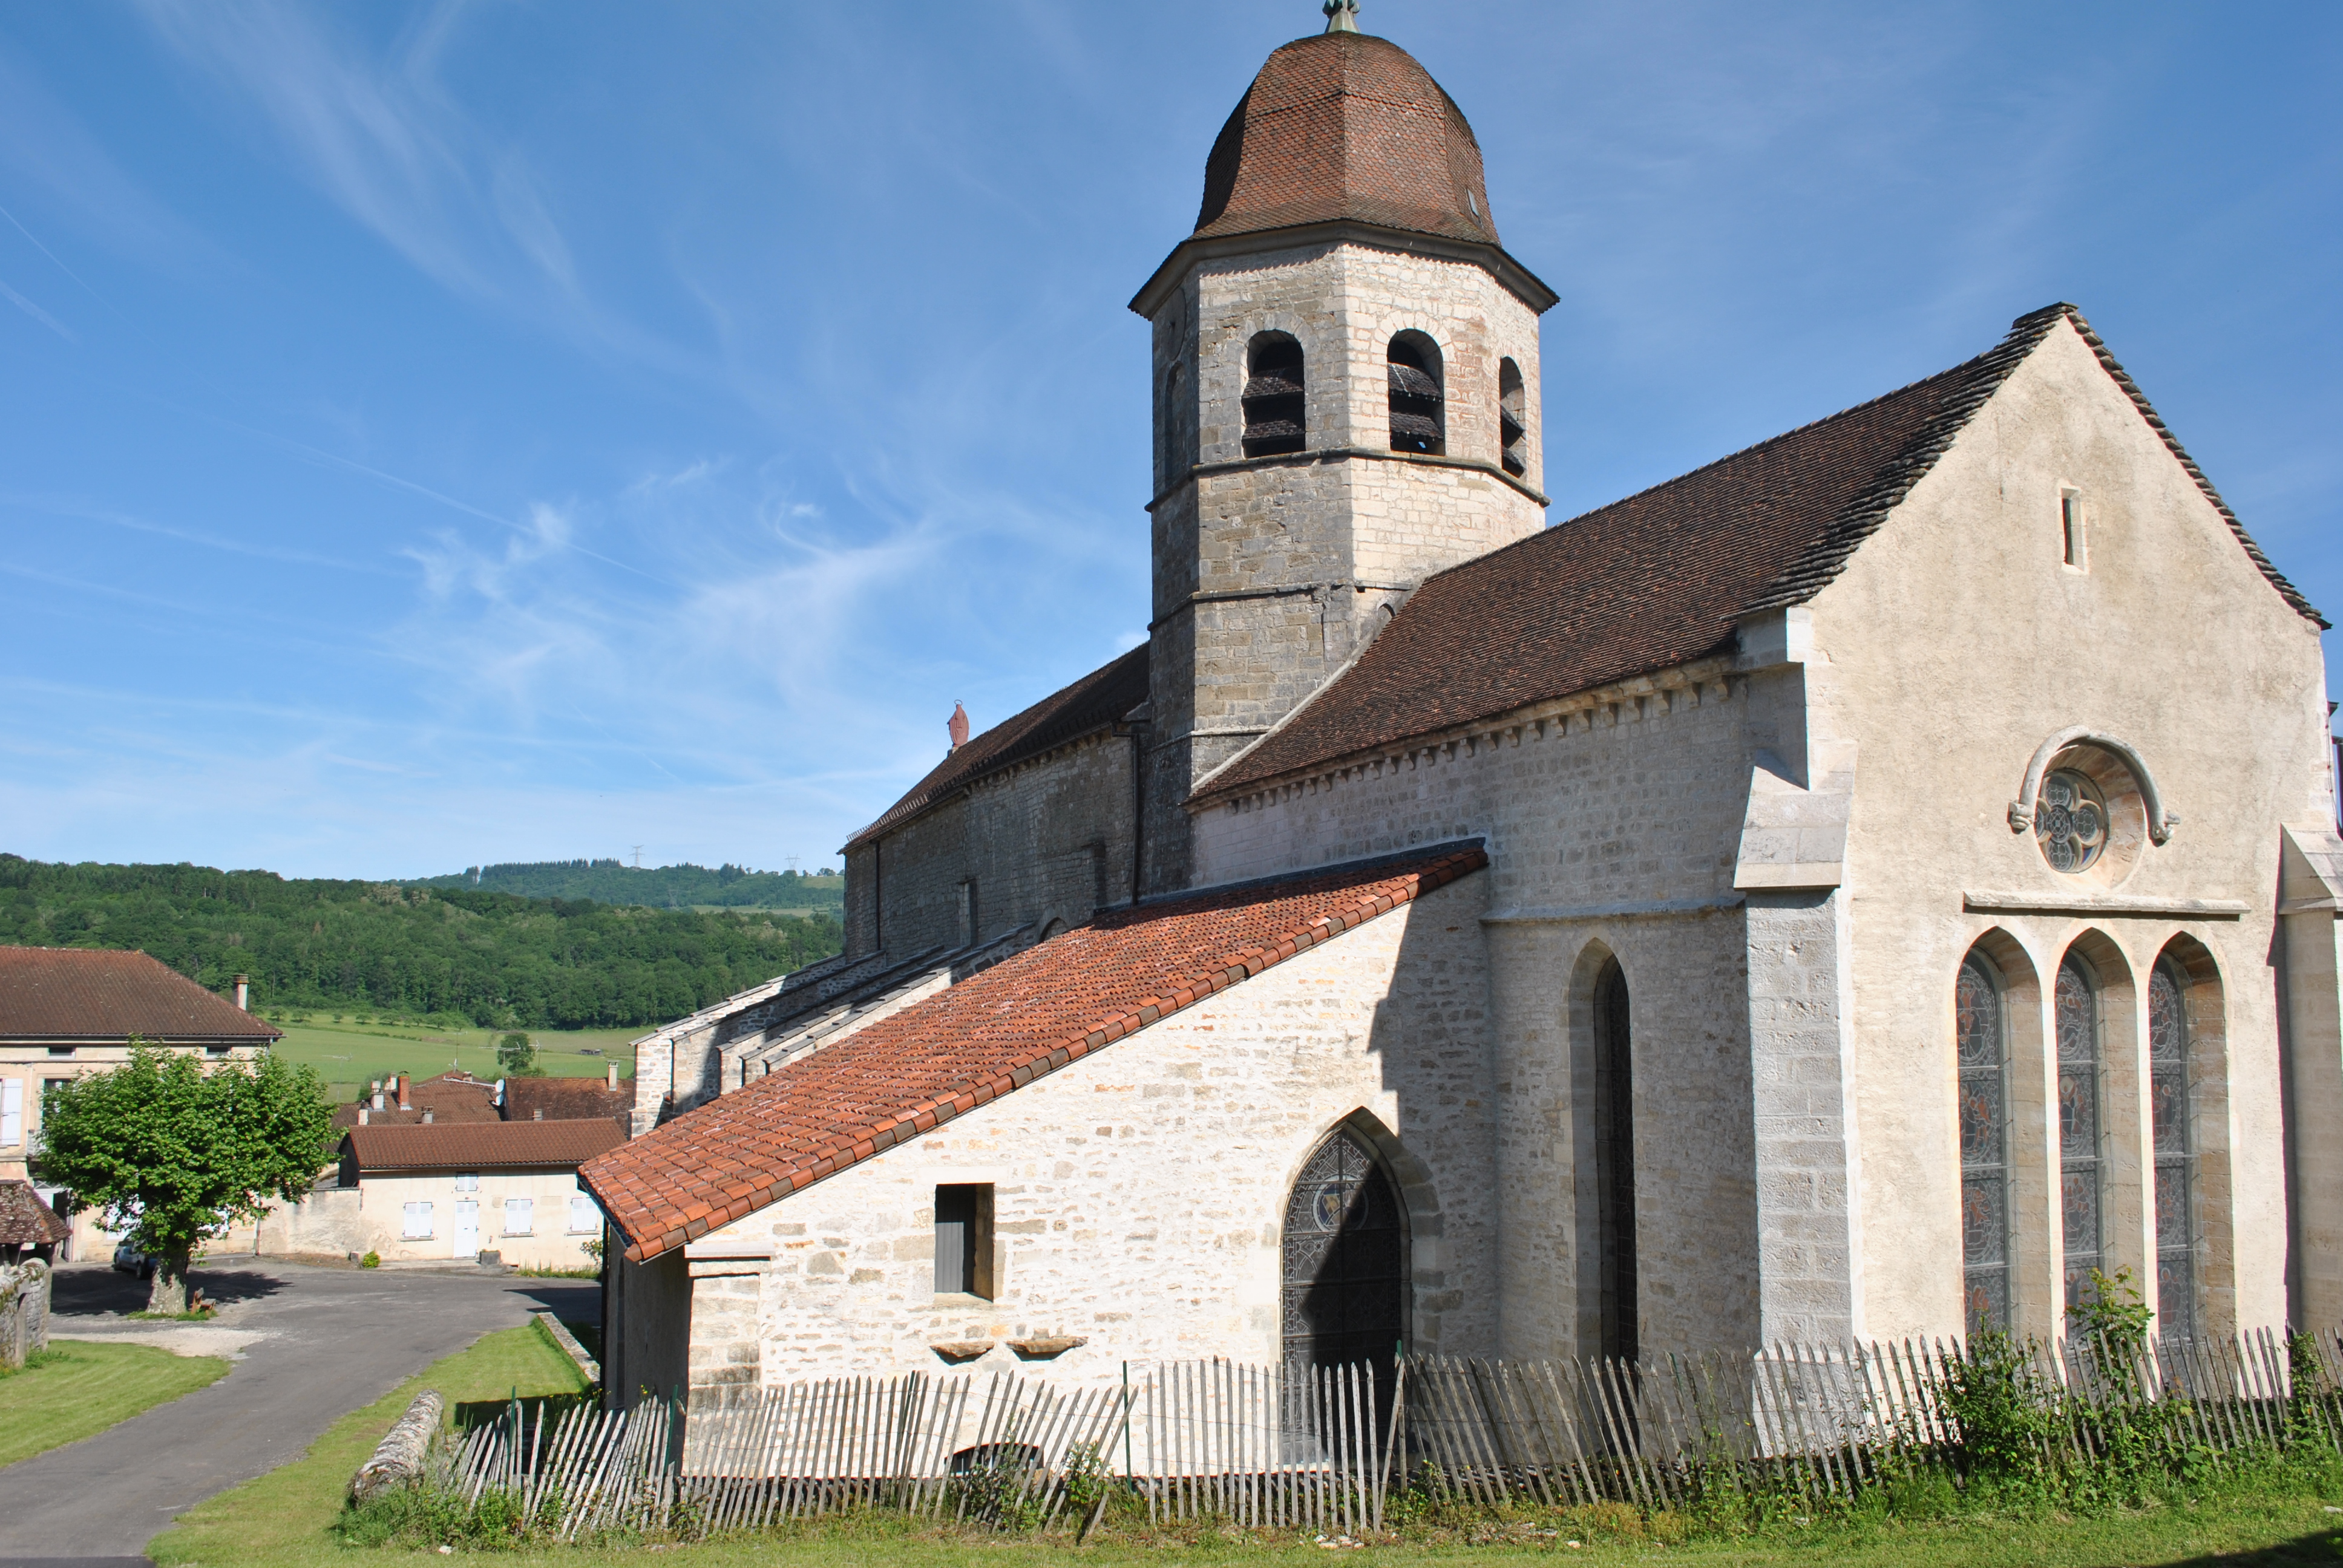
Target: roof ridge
pixel 851 1145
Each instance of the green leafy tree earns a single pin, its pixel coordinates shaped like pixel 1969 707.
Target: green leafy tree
pixel 174 1155
pixel 517 1058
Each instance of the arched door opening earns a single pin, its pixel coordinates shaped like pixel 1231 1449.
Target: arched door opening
pixel 1615 1165
pixel 1345 1261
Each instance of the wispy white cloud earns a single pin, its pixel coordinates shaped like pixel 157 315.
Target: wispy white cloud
pixel 37 314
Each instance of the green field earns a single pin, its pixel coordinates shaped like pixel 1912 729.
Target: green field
pixel 349 1055
pixel 78 1388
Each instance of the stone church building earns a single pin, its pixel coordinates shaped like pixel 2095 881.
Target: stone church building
pixel 1857 888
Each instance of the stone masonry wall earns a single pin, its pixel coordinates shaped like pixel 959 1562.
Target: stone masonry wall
pixel 1612 824
pixel 1048 841
pixel 2166 637
pixel 1140 1194
pixel 1270 573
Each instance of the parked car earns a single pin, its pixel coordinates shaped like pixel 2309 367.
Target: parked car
pixel 129 1260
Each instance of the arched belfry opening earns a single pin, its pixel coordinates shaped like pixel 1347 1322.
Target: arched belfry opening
pixel 1345 1259
pixel 1615 1165
pixel 1419 418
pixel 1274 419
pixel 1513 426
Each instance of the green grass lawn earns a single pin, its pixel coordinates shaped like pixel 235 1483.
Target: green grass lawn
pixel 282 1520
pixel 350 1054
pixel 78 1388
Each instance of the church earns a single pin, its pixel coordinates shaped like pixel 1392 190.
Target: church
pixel 1856 888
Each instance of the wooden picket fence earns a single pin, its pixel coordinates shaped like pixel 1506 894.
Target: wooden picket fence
pixel 1322 1448
pixel 1826 1422
pixel 1256 1445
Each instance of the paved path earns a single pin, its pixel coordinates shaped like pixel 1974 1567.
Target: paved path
pixel 323 1342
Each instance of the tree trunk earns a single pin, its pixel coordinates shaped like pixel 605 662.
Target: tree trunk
pixel 169 1293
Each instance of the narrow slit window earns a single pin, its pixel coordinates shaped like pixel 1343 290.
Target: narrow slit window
pixel 2070 527
pixel 964 1239
pixel 1512 421
pixel 1275 418
pixel 1982 1050
pixel 2081 1189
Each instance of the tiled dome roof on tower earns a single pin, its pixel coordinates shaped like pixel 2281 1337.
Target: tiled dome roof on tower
pixel 1345 126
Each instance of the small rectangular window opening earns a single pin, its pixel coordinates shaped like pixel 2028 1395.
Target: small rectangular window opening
pixel 964 1239
pixel 2070 527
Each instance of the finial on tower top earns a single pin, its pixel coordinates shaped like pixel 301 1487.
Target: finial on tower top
pixel 1342 16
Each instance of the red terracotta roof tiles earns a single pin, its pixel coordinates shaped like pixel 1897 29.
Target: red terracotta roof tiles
pixel 96 994
pixel 26 1221
pixel 481 1145
pixel 986 1036
pixel 1346 126
pixel 1659 578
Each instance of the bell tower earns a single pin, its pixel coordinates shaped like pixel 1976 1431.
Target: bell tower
pixel 1345 364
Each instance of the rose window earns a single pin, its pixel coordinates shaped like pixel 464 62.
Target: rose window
pixel 2070 821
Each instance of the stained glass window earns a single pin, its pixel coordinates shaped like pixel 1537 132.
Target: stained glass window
pixel 2070 821
pixel 1982 1054
pixel 2080 1185
pixel 2175 1210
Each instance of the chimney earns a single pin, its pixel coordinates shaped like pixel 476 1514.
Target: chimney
pixel 539 1114
pixel 243 993
pixel 427 1116
pixel 405 1098
pixel 614 1075
pixel 364 1112
pixel 377 1097
pixel 957 726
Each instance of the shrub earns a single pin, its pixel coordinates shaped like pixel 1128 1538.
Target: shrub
pixel 373 1260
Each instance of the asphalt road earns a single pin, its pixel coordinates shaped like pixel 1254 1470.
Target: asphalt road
pixel 313 1345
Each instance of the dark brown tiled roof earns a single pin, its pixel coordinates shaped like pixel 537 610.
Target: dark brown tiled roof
pixel 88 994
pixel 1093 703
pixel 1346 126
pixel 482 1145
pixel 567 1100
pixel 991 1034
pixel 26 1221
pixel 453 1097
pixel 1659 578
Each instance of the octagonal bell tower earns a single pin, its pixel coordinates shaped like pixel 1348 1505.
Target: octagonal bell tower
pixel 1346 398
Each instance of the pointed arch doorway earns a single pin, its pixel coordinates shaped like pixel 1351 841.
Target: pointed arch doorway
pixel 1345 1260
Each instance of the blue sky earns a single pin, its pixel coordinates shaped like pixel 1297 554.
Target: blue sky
pixel 432 433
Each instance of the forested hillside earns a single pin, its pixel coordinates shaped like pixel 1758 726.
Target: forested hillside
pixel 680 887
pixel 497 958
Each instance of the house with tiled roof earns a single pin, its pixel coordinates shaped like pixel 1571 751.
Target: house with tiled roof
pixel 1857 888
pixel 66 1012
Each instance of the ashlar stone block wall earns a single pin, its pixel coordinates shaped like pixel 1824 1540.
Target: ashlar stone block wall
pixel 1963 640
pixel 1611 823
pixel 1139 1194
pixel 1047 840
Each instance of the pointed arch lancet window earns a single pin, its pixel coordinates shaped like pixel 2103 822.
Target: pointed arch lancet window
pixel 2176 1151
pixel 1275 421
pixel 1615 1165
pixel 1418 411
pixel 1982 1052
pixel 1513 426
pixel 2081 1184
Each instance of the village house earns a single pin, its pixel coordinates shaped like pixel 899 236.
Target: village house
pixel 67 1012
pixel 431 1192
pixel 1857 888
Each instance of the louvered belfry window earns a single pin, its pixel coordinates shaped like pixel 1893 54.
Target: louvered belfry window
pixel 1512 428
pixel 1982 1049
pixel 1418 420
pixel 2176 1152
pixel 2080 1189
pixel 1274 420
